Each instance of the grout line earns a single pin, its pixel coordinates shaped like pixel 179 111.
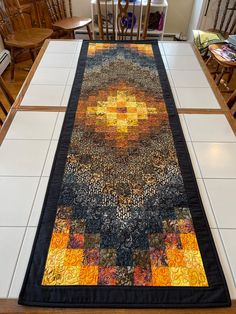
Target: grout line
pixel 215 142
pixel 47 84
pixel 13 226
pixel 41 67
pixel 208 87
pixel 28 139
pixel 226 228
pixel 220 179
pixel 17 176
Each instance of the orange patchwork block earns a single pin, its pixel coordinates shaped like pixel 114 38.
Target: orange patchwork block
pixel 59 240
pixel 161 276
pixel 88 275
pixel 189 241
pixel 175 258
pixel 73 257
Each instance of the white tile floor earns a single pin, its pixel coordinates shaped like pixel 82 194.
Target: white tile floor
pixel 27 153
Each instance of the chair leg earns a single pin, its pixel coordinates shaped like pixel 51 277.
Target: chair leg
pixel 208 60
pixel 219 77
pixel 232 99
pixel 32 55
pixel 89 33
pixel 231 72
pixel 12 63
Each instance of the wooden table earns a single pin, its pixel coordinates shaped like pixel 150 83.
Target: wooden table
pixel 32 134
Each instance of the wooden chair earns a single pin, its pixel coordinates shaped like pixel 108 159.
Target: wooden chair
pixel 124 26
pixel 16 35
pixel 4 108
pixel 62 18
pixel 232 103
pixel 224 24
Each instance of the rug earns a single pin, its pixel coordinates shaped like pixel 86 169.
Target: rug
pixel 122 223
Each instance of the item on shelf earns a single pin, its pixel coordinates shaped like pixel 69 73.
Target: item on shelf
pixel 128 20
pixel 109 19
pixel 154 19
pixel 226 52
pixel 232 39
pixel 161 22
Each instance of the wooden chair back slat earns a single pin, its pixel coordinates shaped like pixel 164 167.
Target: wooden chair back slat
pixel 51 11
pixel 106 11
pixel 6 28
pixel 106 19
pixel 70 8
pixel 146 20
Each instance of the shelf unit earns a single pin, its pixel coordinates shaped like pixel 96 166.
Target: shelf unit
pixel 155 6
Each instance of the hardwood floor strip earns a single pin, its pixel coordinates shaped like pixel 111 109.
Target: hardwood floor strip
pixel 200 111
pixel 43 108
pixel 6 125
pixel 232 122
pixel 11 306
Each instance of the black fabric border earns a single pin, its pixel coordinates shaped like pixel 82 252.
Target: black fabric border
pixel 32 293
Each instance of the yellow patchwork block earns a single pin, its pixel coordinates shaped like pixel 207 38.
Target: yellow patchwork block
pixel 120 123
pixel 179 276
pixel 69 275
pixel 55 257
pixel 197 277
pixel 122 129
pixel 193 259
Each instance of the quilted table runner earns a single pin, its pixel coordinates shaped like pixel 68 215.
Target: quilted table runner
pixel 122 223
